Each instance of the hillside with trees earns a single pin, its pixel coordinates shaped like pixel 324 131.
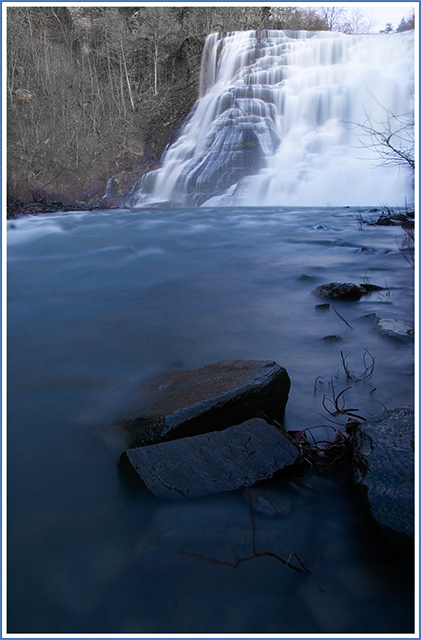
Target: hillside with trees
pixel 97 92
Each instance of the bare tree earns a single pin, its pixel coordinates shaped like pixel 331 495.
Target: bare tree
pixel 333 16
pixel 358 21
pixel 156 26
pixel 392 139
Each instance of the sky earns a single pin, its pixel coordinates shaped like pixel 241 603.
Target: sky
pixel 384 12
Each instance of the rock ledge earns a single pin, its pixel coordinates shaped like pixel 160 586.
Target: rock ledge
pixel 185 403
pixel 384 466
pixel 213 462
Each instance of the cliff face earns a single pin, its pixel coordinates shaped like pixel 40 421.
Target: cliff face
pixel 96 92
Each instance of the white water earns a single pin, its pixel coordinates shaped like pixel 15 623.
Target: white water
pixel 276 123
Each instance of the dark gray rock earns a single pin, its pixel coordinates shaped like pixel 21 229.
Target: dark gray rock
pixel 345 290
pixel 306 278
pixel 17 208
pixel 191 402
pixel 213 462
pixel 398 330
pixel 331 338
pixel 384 466
pixel 395 219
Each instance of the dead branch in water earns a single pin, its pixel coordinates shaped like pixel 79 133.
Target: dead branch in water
pixel 341 317
pixel 259 554
pixel 368 362
pixel 317 380
pixel 339 410
pixel 255 554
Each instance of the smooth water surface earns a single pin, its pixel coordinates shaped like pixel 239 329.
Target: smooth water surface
pixel 98 302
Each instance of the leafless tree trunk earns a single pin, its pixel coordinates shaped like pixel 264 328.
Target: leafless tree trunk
pixel 333 16
pixel 126 72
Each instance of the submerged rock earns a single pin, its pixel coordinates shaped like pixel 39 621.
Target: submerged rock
pixel 213 462
pixel 191 402
pixel 384 466
pixel 305 278
pixel 396 329
pixel 331 338
pixel 345 290
pixel 269 502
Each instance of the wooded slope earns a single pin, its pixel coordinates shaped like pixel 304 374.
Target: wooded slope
pixel 96 92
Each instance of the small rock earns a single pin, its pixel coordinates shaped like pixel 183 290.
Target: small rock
pixel 331 338
pixel 213 462
pixel 322 307
pixel 269 502
pixel 371 317
pixel 345 291
pixel 306 278
pixel 394 219
pixel 395 329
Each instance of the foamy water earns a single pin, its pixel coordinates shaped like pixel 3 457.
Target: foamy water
pixel 279 123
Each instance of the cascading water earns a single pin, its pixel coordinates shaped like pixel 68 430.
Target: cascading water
pixel 278 122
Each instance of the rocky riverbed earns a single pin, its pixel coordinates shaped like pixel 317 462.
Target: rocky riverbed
pixel 17 207
pixel 222 452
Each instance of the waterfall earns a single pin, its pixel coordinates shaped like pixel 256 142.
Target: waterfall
pixel 279 122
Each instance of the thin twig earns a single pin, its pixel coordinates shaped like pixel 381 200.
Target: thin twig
pixel 349 374
pixel 368 372
pixel 255 554
pixel 259 554
pixel 368 368
pixel 339 316
pixel 315 383
pixel 339 410
pixel 46 184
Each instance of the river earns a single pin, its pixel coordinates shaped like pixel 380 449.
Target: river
pixel 100 301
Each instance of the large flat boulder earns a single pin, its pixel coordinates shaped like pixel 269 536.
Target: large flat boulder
pixel 213 462
pixel 384 466
pixel 184 403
